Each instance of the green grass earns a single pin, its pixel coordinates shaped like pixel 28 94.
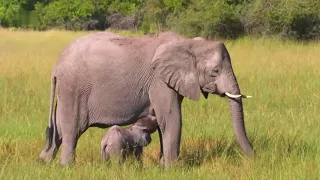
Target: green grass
pixel 282 118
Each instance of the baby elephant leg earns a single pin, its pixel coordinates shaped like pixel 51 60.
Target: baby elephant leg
pixel 109 152
pixel 138 153
pixel 112 143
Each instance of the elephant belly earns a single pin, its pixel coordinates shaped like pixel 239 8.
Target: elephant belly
pixel 122 107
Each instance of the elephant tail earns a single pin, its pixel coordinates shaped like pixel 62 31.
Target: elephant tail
pixel 52 95
pixel 51 131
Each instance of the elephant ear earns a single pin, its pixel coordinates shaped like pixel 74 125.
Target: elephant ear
pixel 175 65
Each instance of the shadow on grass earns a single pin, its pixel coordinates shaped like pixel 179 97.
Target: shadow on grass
pixel 285 146
pixel 195 152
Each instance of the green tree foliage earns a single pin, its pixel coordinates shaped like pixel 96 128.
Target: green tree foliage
pixel 155 16
pixel 296 19
pixel 292 19
pixel 209 19
pixel 127 7
pixel 69 14
pixel 8 11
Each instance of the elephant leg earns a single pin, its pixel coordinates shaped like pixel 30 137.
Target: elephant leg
pixel 138 155
pixel 49 152
pixel 68 114
pixel 53 142
pixel 123 157
pixel 69 143
pixel 167 105
pixel 161 143
pixel 171 140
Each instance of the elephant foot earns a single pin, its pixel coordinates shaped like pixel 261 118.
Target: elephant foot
pixel 67 164
pixel 51 147
pixel 45 156
pixel 68 153
pixel 170 165
pixel 67 161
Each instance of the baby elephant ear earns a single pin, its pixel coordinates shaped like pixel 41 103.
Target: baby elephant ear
pixel 175 65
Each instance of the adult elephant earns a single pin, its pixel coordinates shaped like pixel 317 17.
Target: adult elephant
pixel 104 79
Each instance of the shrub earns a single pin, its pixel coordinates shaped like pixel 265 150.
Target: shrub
pixel 125 15
pixel 289 19
pixel 117 20
pixel 65 14
pixel 124 7
pixel 154 18
pixel 209 19
pixel 8 11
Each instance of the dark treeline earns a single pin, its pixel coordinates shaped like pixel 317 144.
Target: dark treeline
pixel 293 19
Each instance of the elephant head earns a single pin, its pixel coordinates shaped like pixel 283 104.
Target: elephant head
pixel 144 139
pixel 192 67
pixel 143 128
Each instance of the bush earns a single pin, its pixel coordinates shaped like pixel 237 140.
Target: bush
pixel 8 11
pixel 126 15
pixel 289 19
pixel 117 20
pixel 209 19
pixel 126 8
pixel 154 18
pixel 65 14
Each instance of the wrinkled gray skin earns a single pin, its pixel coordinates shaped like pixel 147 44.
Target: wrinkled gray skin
pixel 130 141
pixel 104 79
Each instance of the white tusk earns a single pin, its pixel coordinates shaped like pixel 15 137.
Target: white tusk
pixel 237 95
pixel 244 96
pixel 232 95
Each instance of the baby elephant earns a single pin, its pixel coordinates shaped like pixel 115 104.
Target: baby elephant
pixel 128 141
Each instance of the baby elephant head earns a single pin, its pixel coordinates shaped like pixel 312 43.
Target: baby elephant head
pixel 143 128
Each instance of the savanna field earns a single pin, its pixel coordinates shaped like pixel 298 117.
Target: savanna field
pixel 282 119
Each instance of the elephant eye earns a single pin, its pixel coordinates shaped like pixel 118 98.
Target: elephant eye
pixel 214 72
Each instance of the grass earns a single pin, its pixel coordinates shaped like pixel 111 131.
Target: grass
pixel 281 119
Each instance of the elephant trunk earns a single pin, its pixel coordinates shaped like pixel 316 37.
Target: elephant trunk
pixel 227 86
pixel 230 87
pixel 239 126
